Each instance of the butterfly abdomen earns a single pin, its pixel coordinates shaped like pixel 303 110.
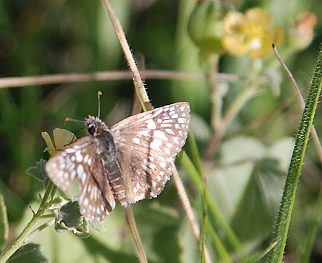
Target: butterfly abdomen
pixel 108 154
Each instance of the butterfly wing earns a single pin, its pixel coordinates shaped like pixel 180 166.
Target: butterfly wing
pixel 79 162
pixel 147 144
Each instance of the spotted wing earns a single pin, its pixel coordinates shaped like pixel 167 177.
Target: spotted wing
pixel 147 144
pixel 79 162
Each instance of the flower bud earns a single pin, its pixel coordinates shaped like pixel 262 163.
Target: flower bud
pixel 301 35
pixel 205 26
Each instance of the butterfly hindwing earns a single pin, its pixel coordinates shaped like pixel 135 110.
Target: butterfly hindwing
pixel 147 144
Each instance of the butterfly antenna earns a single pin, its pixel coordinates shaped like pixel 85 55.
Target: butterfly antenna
pixel 99 103
pixel 67 119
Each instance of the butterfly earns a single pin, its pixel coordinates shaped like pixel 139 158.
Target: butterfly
pixel 129 162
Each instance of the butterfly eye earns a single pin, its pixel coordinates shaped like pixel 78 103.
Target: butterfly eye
pixel 91 129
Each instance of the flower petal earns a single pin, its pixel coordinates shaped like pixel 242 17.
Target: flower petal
pixel 235 24
pixel 63 137
pixel 276 35
pixel 49 143
pixel 234 46
pixel 259 16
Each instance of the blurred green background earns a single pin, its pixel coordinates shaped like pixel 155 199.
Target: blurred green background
pixel 40 37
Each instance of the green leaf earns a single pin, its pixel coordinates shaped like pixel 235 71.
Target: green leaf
pixel 260 255
pixel 38 171
pixel 227 183
pixel 159 225
pixel 70 219
pixel 4 226
pixel 249 182
pixel 70 215
pixel 261 197
pixel 99 226
pixel 28 253
pixel 190 253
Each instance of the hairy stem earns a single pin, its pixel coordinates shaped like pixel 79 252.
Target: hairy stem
pixel 25 237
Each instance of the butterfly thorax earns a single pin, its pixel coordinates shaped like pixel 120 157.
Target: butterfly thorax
pixel 106 151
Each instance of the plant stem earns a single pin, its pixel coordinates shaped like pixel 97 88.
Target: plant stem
pixel 286 207
pixel 216 96
pixel 135 235
pixel 142 94
pixel 314 133
pixel 188 210
pixel 247 93
pixel 24 237
pixel 204 224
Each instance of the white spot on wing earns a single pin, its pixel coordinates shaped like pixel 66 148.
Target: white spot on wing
pixel 156 143
pixel 181 120
pixel 170 131
pixel 79 156
pixel 160 135
pixel 81 174
pixel 151 124
pixel 86 158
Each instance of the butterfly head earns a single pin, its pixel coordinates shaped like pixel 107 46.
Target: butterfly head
pixel 94 125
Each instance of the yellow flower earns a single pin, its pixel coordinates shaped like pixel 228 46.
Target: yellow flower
pixel 250 33
pixel 62 138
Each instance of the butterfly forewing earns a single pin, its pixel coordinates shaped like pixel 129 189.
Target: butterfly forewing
pixel 80 162
pixel 147 144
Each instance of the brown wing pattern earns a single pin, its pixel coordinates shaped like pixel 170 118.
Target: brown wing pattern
pixel 79 162
pixel 147 144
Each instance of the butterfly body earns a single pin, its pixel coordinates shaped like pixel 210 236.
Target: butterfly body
pixel 129 162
